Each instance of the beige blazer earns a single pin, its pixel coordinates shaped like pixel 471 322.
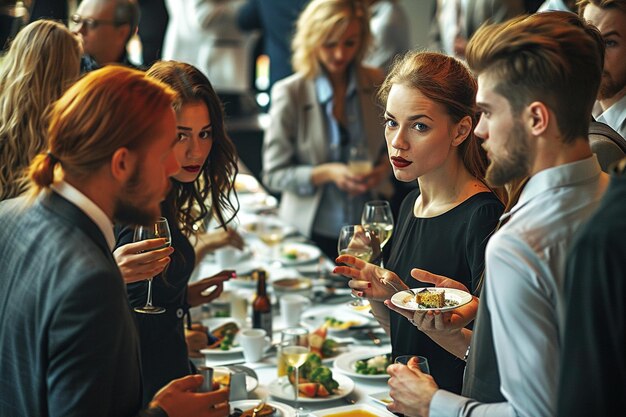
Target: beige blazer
pixel 296 140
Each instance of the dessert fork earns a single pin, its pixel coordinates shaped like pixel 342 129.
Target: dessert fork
pixel 410 291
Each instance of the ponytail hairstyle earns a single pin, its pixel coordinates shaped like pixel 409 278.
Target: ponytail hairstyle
pixel 108 109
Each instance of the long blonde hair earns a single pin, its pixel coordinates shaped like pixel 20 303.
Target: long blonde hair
pixel 42 62
pixel 320 20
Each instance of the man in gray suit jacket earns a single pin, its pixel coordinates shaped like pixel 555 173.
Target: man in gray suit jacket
pixel 68 345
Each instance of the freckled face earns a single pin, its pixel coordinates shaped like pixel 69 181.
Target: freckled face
pixel 418 132
pixel 195 140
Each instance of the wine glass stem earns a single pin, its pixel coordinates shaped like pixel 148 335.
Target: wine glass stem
pixel 296 389
pixel 149 301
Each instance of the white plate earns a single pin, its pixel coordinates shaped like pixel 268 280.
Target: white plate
pixel 213 323
pixel 246 183
pixel 382 398
pixel 251 383
pixel 364 309
pixel 281 388
pixel 305 253
pixel 406 301
pixel 250 223
pixel 282 410
pixel 345 363
pixel 377 411
pixel 256 202
pixel 315 320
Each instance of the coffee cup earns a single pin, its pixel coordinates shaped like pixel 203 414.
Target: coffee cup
pixel 291 308
pixel 253 342
pixel 226 257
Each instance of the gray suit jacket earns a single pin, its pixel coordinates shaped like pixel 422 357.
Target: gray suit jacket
pixel 296 141
pixel 68 345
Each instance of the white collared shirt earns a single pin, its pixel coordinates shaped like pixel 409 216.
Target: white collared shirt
pixel 94 212
pixel 525 269
pixel 615 116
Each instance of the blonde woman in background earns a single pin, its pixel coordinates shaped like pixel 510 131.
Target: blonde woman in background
pixel 41 63
pixel 318 115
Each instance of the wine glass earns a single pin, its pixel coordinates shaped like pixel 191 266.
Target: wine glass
pixel 272 234
pixel 378 218
pixel 356 240
pixel 159 229
pixel 295 349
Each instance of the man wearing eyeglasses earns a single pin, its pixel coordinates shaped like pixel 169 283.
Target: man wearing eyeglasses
pixel 105 27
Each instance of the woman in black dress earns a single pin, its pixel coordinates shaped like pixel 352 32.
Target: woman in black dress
pixel 199 190
pixel 444 225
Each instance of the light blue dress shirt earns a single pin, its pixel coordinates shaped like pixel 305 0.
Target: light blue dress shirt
pixel 525 268
pixel 336 208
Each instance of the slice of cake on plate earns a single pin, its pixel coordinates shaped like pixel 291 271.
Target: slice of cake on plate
pixel 430 298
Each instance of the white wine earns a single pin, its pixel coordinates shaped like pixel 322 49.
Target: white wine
pixel 364 254
pixel 382 230
pixel 271 238
pixel 295 355
pixel 360 167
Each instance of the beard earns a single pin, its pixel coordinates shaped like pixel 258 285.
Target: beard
pixel 609 87
pixel 133 203
pixel 515 164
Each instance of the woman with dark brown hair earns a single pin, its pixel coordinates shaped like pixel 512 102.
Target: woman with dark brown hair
pixel 199 191
pixel 444 225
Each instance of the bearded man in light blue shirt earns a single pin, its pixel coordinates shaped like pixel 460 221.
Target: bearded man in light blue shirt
pixel 537 80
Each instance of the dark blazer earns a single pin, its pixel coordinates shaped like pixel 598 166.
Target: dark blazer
pixel 277 20
pixel 68 345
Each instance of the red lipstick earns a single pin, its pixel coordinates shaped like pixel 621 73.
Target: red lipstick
pixel 192 168
pixel 399 162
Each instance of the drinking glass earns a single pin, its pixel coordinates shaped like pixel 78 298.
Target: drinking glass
pixel 357 241
pixel 159 229
pixel 422 362
pixel 359 162
pixel 378 218
pixel 272 234
pixel 294 343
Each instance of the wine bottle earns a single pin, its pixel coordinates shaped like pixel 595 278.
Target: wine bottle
pixel 261 306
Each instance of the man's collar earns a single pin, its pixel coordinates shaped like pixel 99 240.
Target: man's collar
pixel 556 177
pixel 95 213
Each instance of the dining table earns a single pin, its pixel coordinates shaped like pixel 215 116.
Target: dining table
pixel 329 297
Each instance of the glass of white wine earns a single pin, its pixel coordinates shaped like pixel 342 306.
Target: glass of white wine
pixel 378 218
pixel 272 234
pixel 357 241
pixel 295 350
pixel 159 229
